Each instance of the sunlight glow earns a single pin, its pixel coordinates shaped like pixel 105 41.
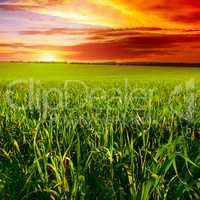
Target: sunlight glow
pixel 49 57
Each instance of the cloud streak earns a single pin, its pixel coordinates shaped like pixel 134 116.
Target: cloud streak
pixel 106 45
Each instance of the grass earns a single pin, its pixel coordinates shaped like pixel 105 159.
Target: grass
pixel 61 71
pixel 104 138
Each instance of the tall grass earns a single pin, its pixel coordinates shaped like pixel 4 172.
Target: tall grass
pixel 115 145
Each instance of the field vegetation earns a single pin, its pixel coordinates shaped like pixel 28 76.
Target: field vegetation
pixel 109 132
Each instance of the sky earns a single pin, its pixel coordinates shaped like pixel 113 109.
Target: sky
pixel 100 30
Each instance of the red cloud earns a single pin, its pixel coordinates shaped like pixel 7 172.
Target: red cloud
pixel 134 47
pixel 184 11
pixel 192 17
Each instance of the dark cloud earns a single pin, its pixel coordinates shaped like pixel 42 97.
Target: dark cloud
pixel 192 17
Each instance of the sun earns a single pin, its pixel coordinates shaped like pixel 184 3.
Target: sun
pixel 49 57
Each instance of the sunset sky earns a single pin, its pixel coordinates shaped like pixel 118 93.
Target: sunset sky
pixel 100 30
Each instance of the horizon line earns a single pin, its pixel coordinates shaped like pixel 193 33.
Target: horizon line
pixel 112 63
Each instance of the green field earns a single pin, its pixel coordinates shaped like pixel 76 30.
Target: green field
pixel 61 71
pixel 121 132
